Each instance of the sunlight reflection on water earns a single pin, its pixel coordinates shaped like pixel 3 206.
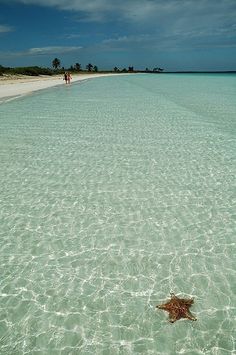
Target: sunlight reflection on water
pixel 115 192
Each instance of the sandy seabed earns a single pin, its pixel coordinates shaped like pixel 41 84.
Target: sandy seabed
pixel 18 85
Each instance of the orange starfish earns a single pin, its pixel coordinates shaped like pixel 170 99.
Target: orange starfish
pixel 178 308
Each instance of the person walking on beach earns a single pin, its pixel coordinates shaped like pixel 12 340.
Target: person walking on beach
pixel 65 77
pixel 69 78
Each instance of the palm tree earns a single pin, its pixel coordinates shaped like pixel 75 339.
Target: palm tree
pixel 1 70
pixel 159 70
pixel 77 66
pixel 95 68
pixel 56 63
pixel 89 67
pixel 116 69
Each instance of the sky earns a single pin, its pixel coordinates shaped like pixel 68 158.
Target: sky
pixel 176 35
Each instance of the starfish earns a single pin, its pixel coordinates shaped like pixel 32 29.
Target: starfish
pixel 178 308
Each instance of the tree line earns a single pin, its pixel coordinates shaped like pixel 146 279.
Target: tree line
pixel 58 69
pixel 56 64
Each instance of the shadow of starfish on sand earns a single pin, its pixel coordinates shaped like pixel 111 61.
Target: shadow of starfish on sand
pixel 178 308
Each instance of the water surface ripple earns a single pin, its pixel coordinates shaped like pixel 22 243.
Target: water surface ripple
pixel 113 193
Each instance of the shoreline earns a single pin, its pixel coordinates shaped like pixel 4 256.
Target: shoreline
pixel 19 85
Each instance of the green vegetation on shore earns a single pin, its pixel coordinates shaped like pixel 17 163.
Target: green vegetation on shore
pixel 76 68
pixel 57 69
pixel 37 71
pixel 31 71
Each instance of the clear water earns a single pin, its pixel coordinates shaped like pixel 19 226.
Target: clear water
pixel 114 193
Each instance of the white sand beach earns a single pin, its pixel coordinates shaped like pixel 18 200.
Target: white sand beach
pixel 18 85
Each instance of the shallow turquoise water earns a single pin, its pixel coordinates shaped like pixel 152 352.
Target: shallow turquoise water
pixel 115 192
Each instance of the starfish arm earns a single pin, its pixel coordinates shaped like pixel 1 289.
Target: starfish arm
pixel 174 315
pixel 172 320
pixel 190 316
pixel 187 301
pixel 163 306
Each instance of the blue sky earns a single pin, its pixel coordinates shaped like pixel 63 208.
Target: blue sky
pixel 172 34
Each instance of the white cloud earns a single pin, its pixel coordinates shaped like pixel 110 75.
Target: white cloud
pixel 170 16
pixel 41 51
pixel 129 39
pixel 5 29
pixel 172 41
pixel 73 36
pixel 134 8
pixel 51 50
pixel 164 20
